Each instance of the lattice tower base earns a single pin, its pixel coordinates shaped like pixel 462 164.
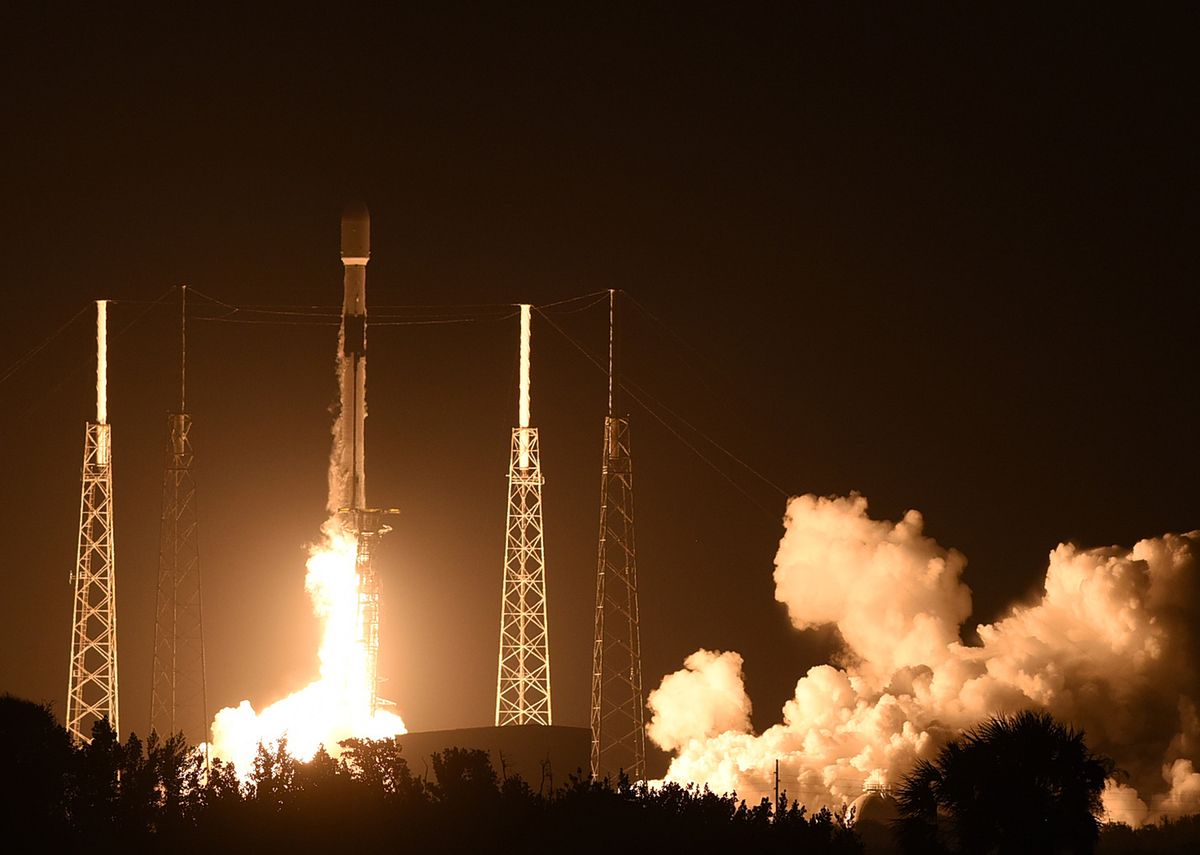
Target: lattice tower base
pixel 523 674
pixel 617 714
pixel 92 683
pixel 179 699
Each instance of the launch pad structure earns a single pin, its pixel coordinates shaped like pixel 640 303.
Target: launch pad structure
pixel 523 687
pixel 92 681
pixel 523 670
pixel 618 706
pixel 178 697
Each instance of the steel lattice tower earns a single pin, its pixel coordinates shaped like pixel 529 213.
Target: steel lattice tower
pixel 617 715
pixel 178 700
pixel 523 672
pixel 367 525
pixel 92 682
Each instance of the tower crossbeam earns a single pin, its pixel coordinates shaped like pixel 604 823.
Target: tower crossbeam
pixel 523 672
pixel 92 680
pixel 368 524
pixel 617 717
pixel 179 699
pixel 618 707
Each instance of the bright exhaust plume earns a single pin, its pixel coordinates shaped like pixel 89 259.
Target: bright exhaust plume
pixel 335 706
pixel 338 704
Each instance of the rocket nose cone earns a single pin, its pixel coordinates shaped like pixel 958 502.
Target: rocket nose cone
pixel 356 231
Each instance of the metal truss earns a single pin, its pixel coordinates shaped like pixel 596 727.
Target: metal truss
pixel 178 700
pixel 368 524
pixel 523 674
pixel 92 683
pixel 617 719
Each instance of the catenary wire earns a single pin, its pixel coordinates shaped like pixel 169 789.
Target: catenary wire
pixel 655 415
pixel 16 366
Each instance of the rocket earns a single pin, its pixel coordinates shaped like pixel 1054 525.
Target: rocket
pixel 347 484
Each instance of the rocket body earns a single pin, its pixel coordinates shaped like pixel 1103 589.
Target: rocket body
pixel 347 488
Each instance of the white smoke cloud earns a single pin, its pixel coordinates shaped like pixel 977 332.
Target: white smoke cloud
pixel 706 698
pixel 1109 647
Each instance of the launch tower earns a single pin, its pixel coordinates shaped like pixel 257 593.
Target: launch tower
pixel 618 734
pixel 523 673
pixel 178 700
pixel 92 682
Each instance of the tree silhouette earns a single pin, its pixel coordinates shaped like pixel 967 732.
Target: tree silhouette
pixel 36 765
pixel 1015 784
pixel 271 782
pixel 378 765
pixel 1021 784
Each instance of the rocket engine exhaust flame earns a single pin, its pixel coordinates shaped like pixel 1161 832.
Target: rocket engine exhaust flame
pixel 1110 647
pixel 341 702
pixel 335 706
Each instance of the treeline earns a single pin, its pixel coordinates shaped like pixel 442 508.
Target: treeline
pixel 1022 784
pixel 156 795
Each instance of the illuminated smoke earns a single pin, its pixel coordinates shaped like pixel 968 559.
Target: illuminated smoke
pixel 1109 647
pixel 335 706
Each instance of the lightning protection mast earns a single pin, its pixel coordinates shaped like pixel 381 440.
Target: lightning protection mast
pixel 523 673
pixel 178 700
pixel 618 735
pixel 92 682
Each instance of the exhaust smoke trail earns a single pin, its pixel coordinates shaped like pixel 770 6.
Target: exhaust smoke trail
pixel 1110 646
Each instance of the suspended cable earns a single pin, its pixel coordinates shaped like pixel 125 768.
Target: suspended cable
pixel 635 388
pixel 625 384
pixel 221 303
pixel 226 319
pixel 70 374
pixel 16 366
pixel 599 295
pixel 657 417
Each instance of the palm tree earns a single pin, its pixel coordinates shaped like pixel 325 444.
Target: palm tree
pixel 1015 784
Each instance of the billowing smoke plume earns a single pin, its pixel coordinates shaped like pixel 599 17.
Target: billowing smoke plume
pixel 1109 647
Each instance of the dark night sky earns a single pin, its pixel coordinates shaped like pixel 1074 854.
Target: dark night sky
pixel 943 258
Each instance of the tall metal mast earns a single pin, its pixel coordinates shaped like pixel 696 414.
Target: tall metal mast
pixel 92 682
pixel 523 672
pixel 617 715
pixel 179 700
